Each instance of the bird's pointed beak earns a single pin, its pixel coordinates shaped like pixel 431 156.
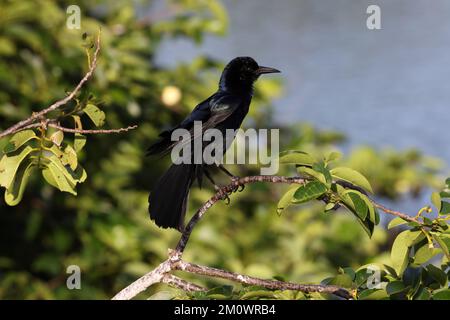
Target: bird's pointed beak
pixel 263 70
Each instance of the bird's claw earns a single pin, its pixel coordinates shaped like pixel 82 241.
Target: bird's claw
pixel 236 186
pixel 223 194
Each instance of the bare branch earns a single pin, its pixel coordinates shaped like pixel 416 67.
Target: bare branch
pixel 96 131
pixel 270 284
pixel 182 284
pixel 141 284
pixel 39 115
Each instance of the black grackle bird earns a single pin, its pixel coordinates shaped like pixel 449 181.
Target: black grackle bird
pixel 225 109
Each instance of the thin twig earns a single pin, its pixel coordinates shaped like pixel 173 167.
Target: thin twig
pixel 95 131
pixel 39 115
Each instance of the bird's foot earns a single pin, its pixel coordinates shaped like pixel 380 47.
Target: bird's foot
pixel 223 194
pixel 236 186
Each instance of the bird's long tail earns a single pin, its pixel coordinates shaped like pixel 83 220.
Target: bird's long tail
pixel 167 201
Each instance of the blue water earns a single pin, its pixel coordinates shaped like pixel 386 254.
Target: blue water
pixel 387 87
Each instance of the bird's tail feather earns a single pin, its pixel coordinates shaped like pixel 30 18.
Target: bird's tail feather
pixel 167 201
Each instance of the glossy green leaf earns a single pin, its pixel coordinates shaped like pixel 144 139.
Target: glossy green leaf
pixel 400 252
pixel 352 176
pixel 312 173
pixel 442 244
pixel 437 274
pixel 422 294
pixel 396 222
pixel 425 253
pixel 354 200
pixel 286 199
pixel 296 157
pixel 341 280
pixel 373 294
pixel 320 167
pixel 445 207
pixel 395 287
pixel 310 191
pixel 442 295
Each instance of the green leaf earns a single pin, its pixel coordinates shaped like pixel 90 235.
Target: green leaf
pixel 329 206
pixel 422 294
pixel 79 139
pixel 436 200
pixel 320 167
pixel 442 295
pixel 437 274
pixel 445 207
pixel 373 294
pixel 286 200
pixel 14 193
pixel 396 222
pixel 312 173
pixel 333 156
pixel 341 280
pixel 296 157
pixel 354 200
pixel 400 250
pixel 395 287
pixel 95 114
pixel 425 253
pixel 9 164
pixel 79 142
pixel 442 244
pixel 310 191
pixel 18 140
pixel 351 176
pixel 57 137
pixel 69 157
pixel 55 176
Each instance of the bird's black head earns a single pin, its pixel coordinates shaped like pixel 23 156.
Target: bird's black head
pixel 240 74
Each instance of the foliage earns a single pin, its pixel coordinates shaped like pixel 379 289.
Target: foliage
pixel 105 229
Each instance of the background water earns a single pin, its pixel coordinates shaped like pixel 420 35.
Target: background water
pixel 385 87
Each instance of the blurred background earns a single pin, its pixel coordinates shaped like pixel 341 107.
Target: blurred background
pixel 376 95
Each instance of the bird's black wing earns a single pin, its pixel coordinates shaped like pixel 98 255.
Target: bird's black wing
pixel 210 112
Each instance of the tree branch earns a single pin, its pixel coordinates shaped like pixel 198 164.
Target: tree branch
pixel 96 131
pixel 37 116
pixel 182 284
pixel 270 284
pixel 174 262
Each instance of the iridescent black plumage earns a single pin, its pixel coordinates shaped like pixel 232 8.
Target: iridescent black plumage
pixel 225 109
